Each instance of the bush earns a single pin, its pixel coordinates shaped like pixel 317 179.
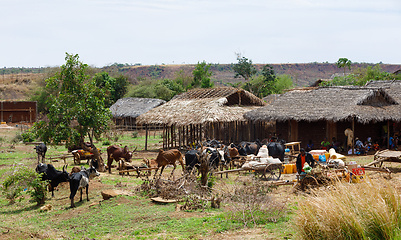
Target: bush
pixel 23 179
pixel 28 136
pixel 135 134
pixel 360 211
pixel 106 143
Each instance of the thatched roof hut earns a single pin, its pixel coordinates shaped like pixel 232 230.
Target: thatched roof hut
pixel 365 104
pixel 205 113
pixel 315 113
pixel 126 110
pixel 200 106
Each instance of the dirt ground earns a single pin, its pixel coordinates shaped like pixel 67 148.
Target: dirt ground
pixel 61 201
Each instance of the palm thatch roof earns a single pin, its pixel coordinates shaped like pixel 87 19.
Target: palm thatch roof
pixel 200 106
pixel 133 107
pixel 365 104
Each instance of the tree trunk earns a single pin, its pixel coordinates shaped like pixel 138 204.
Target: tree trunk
pixel 95 152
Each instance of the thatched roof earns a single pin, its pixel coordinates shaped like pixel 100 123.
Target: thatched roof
pixel 200 106
pixel 331 103
pixel 133 107
pixel 271 98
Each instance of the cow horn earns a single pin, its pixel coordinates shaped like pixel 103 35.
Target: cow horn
pixel 135 149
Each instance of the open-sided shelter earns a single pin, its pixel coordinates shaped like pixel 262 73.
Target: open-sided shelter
pixel 214 113
pixel 315 113
pixel 126 110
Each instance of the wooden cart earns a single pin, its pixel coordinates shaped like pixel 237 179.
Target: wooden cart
pixel 265 171
pixel 81 155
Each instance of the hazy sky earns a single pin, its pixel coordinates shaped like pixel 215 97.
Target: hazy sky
pixel 38 33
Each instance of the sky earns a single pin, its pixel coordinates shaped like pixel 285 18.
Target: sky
pixel 102 32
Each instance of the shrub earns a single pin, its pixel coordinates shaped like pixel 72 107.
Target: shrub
pixel 106 143
pixel 28 136
pixel 23 179
pixel 135 134
pixel 360 211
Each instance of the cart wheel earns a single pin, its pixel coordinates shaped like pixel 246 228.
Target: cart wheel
pixel 77 159
pixel 274 173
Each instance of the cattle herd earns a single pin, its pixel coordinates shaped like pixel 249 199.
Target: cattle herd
pixel 217 155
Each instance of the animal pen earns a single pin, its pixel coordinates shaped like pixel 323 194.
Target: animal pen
pixel 199 114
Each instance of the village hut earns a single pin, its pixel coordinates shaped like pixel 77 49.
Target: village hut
pixel 214 113
pixel 315 113
pixel 126 110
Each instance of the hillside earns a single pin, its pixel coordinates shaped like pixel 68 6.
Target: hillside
pixel 18 84
pixel 303 74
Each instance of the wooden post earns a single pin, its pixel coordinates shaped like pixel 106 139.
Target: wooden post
pixel 146 137
pixel 179 137
pixel 388 134
pixel 353 131
pixel 163 138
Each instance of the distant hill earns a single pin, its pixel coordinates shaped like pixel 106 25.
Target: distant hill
pixel 18 83
pixel 303 74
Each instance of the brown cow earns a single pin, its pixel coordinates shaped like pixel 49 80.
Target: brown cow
pixel 115 152
pixel 165 158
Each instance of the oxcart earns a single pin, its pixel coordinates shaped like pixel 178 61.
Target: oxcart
pixel 141 170
pixel 265 171
pixel 82 155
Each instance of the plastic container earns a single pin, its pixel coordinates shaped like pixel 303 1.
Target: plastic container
pixel 327 156
pixel 316 157
pixel 322 158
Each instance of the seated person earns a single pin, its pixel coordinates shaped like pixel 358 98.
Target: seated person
pixel 309 146
pixel 325 144
pixel 335 144
pixel 360 147
pixel 376 146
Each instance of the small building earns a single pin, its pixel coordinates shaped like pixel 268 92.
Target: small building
pixel 126 110
pixel 315 113
pixel 18 111
pixel 214 113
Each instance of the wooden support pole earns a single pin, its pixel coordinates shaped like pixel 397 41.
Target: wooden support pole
pixel 353 130
pixel 146 137
pixel 388 134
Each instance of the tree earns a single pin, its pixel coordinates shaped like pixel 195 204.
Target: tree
pixel 244 68
pixel 344 62
pixel 77 110
pixel 269 79
pixel 115 88
pixel 202 74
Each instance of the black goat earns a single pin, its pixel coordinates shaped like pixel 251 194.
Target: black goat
pixel 80 180
pixel 54 176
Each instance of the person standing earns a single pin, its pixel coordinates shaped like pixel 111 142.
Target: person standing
pixel 304 157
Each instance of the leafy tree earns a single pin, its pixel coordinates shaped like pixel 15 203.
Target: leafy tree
pixel 344 62
pixel 163 89
pixel 107 83
pixel 244 68
pixel 115 88
pixel 282 83
pixel 202 74
pixel 77 110
pixel 120 87
pixel 269 79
